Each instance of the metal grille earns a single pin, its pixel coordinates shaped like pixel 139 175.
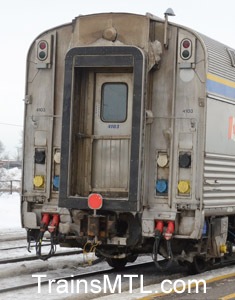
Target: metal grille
pixel 219 181
pixel 219 59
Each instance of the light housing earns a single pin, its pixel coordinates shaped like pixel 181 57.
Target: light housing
pixel 186 49
pixel 42 50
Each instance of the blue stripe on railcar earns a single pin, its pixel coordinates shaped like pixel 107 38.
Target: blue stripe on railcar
pixel 220 86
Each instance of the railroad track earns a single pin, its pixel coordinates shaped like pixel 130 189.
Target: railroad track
pixel 174 273
pixel 34 257
pixel 21 247
pixel 13 248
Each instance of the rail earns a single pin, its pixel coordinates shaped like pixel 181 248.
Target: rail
pixel 34 257
pixel 10 187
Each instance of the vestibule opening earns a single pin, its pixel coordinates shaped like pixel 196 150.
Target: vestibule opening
pixel 101 123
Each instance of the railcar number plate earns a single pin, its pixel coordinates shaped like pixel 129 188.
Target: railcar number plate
pixel 41 109
pixel 114 126
pixel 188 111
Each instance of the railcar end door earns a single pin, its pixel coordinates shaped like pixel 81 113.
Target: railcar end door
pixel 112 134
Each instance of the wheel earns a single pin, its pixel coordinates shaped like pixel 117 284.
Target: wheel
pixel 199 265
pixel 117 263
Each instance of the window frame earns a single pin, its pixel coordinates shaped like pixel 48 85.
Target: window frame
pixel 102 98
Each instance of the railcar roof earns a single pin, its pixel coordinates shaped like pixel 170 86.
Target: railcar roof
pixel 219 59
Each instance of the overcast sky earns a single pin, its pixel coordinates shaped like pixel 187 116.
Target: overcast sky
pixel 22 20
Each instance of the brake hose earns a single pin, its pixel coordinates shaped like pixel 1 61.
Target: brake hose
pixel 39 246
pixel 51 229
pixel 162 266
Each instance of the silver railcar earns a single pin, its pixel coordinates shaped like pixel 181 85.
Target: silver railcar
pixel 129 140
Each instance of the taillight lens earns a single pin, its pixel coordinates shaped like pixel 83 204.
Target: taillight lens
pixel 186 43
pixel 185 54
pixel 42 45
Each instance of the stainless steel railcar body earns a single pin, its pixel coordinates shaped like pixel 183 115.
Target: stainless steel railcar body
pixel 140 112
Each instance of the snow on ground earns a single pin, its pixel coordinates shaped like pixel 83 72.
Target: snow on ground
pixel 10 204
pixel 6 175
pixel 10 211
pixel 10 174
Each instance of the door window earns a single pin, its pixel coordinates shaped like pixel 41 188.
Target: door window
pixel 114 102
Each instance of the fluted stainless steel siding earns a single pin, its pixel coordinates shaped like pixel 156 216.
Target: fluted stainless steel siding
pixel 219 181
pixel 111 164
pixel 219 62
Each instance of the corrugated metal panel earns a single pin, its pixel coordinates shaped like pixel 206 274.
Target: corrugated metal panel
pixel 219 61
pixel 219 181
pixel 111 164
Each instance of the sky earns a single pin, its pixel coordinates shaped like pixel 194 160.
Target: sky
pixel 21 21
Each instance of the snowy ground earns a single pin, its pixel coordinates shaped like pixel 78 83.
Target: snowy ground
pixel 6 176
pixel 10 204
pixel 10 211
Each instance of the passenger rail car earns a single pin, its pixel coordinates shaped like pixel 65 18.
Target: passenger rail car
pixel 129 140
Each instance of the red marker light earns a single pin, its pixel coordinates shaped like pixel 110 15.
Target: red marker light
pixel 42 45
pixel 95 201
pixel 186 43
